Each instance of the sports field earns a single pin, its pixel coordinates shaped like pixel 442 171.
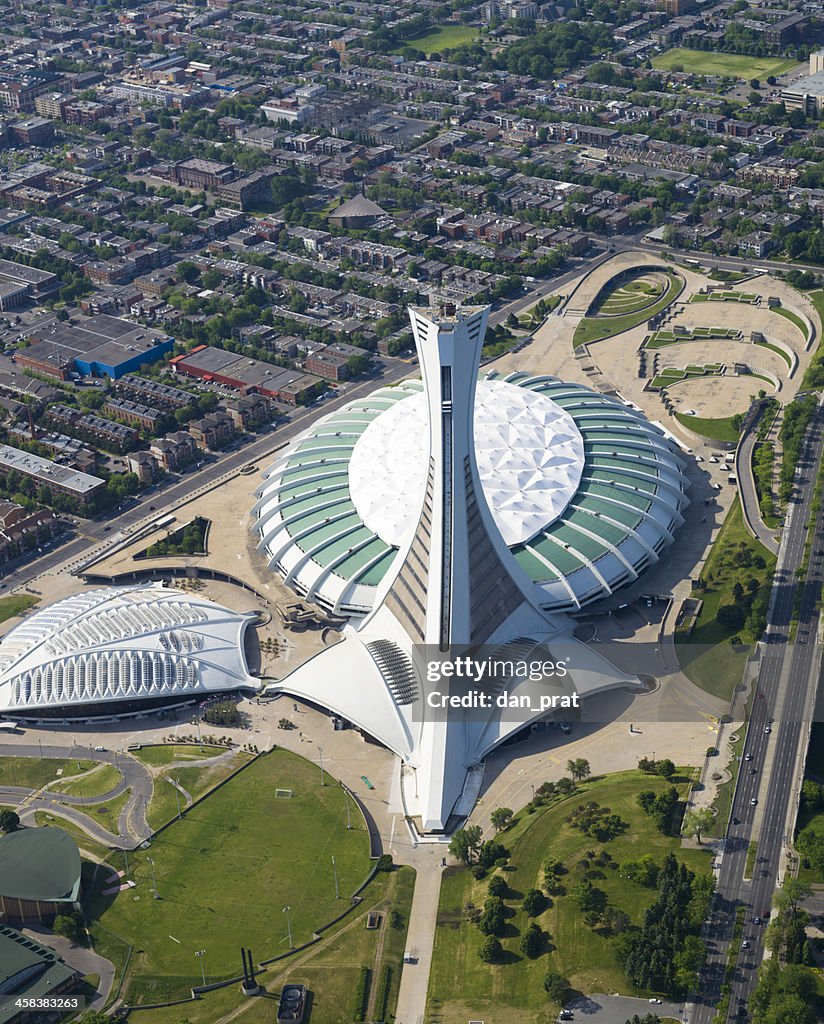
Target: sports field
pixel 445 37
pixel 224 874
pixel 730 65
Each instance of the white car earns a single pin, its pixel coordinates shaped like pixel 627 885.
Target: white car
pixel 656 1001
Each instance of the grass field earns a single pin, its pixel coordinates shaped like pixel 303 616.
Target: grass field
pixel 195 780
pixel 444 37
pixel 461 986
pixel 169 753
pixel 715 429
pixel 596 328
pixel 706 655
pixel 94 783
pixel 34 772
pixel 729 65
pixel 14 604
pixel 225 871
pixel 329 969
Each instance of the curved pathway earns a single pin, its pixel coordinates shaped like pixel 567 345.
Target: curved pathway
pixel 132 825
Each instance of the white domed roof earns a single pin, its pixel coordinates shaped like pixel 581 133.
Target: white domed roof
pixel 530 457
pixel 585 490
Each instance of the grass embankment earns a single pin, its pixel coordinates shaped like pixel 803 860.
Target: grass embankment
pixel 34 772
pixel 706 655
pixel 330 969
pixel 724 429
pixel 224 872
pixel 722 804
pixel 596 328
pixel 461 985
pixel 14 604
pixel 726 65
pixel 814 374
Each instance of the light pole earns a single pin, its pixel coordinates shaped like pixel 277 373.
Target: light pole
pixel 126 858
pixel 346 800
pixel 40 744
pixel 335 872
pixel 177 794
pixel 154 882
pixel 288 926
pixel 200 954
pixel 320 751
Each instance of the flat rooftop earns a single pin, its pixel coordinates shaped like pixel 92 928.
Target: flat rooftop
pixel 47 472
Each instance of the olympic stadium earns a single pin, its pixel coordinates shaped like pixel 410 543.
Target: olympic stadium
pixel 104 651
pixel 585 491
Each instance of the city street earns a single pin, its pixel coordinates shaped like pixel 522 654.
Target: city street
pixel 780 717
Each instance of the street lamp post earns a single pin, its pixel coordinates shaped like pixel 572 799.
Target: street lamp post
pixel 288 926
pixel 177 794
pixel 320 751
pixel 154 882
pixel 335 872
pixel 200 954
pixel 348 816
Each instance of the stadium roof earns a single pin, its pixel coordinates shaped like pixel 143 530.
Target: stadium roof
pixel 122 644
pixel 586 491
pixel 358 206
pixel 39 864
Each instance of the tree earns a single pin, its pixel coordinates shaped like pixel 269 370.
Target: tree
pixel 578 768
pixel 68 927
pixel 465 843
pixel 698 822
pixel 532 941
pixel 665 768
pixel 492 918
pixel 491 950
pixel 9 820
pixel 500 818
pixel 556 987
pixel 497 886
pixel 534 902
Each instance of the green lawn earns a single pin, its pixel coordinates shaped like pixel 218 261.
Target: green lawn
pixel 596 328
pixel 730 65
pixel 195 780
pixel 329 969
pixel 34 772
pixel 14 604
pixel 444 37
pixel 706 655
pixel 716 430
pixel 167 753
pixel 94 783
pixel 462 987
pixel 225 871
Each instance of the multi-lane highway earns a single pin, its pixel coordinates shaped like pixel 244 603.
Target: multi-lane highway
pixel 768 781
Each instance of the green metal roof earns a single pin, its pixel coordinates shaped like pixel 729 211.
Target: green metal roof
pixel 39 864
